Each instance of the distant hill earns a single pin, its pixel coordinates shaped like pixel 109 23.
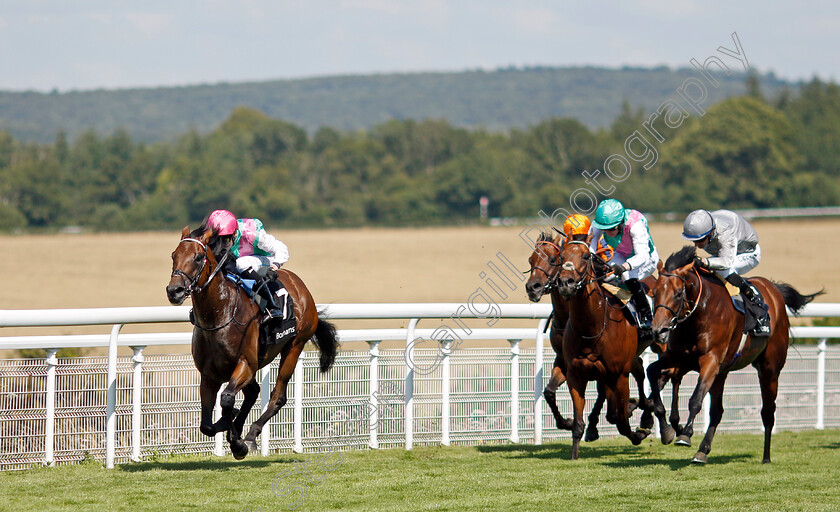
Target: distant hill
pixel 496 100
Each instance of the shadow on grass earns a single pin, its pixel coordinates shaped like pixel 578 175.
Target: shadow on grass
pixel 633 455
pixel 203 464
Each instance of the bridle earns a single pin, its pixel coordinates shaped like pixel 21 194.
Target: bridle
pixel 552 281
pixel 194 287
pixel 685 305
pixel 582 282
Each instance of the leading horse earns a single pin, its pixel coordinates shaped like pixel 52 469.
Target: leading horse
pixel 600 343
pixel 693 311
pixel 225 343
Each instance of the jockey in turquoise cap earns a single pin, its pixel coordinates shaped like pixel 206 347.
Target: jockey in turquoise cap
pixel 635 258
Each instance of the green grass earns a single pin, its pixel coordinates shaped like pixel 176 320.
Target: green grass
pixel 611 475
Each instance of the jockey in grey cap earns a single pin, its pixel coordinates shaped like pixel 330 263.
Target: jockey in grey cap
pixel 733 244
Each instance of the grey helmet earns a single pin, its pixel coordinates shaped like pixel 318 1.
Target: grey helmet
pixel 698 225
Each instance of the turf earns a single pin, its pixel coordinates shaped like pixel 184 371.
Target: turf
pixel 611 475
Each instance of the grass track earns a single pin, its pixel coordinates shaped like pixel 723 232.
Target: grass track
pixel 611 476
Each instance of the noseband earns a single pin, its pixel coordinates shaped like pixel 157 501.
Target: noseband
pixel 676 319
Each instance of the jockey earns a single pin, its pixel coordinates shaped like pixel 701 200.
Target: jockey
pixel 579 224
pixel 255 250
pixel 733 244
pixel 258 254
pixel 635 258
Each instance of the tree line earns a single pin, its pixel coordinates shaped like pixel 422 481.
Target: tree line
pixel 747 151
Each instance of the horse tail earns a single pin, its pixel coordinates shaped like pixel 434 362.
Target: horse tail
pixel 326 340
pixel 793 299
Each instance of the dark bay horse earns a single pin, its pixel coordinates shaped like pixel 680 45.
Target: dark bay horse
pixel 225 343
pixel 599 344
pixel 544 270
pixel 694 312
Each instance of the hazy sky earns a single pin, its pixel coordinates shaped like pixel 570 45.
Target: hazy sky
pixel 87 44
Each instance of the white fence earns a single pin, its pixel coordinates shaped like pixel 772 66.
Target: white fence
pixel 118 409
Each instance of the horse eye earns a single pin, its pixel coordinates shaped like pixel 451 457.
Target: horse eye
pixel 553 260
pixel 198 258
pixel 587 256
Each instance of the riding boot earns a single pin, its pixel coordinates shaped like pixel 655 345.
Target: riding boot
pixel 639 298
pixel 749 291
pixel 265 288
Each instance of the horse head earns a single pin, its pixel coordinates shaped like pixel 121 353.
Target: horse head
pixel 671 296
pixel 191 260
pixel 545 261
pixel 576 265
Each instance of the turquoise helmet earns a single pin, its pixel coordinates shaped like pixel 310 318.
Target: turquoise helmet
pixel 609 214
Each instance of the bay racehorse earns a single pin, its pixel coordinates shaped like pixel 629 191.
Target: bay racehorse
pixel 693 311
pixel 225 342
pixel 544 270
pixel 599 344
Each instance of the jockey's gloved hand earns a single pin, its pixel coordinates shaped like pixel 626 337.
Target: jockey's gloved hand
pixel 701 262
pixel 617 269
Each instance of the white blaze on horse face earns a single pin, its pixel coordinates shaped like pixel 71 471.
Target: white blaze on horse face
pixel 568 266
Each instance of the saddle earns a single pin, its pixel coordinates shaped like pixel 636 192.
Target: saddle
pixel 622 294
pixel 278 324
pixel 753 313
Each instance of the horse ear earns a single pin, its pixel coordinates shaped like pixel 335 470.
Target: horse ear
pixel 185 232
pixel 207 235
pixel 589 238
pixel 660 267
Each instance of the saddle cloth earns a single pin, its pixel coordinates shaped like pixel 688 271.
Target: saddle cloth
pixel 623 294
pixel 279 324
pixel 742 305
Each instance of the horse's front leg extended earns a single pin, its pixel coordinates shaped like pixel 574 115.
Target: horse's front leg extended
pixel 207 391
pixel 577 389
pixel 550 394
pixel 242 375
pixel 708 371
pixel 288 361
pixel 655 374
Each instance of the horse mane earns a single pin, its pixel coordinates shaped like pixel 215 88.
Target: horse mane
pixel 214 243
pixel 579 237
pixel 681 258
pixel 545 236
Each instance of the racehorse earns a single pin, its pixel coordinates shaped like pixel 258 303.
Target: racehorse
pixel 600 343
pixel 544 259
pixel 694 312
pixel 225 343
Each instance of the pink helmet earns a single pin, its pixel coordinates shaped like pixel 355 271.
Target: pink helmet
pixel 223 222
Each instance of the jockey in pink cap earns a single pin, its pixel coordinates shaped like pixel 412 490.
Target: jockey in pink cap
pixel 248 241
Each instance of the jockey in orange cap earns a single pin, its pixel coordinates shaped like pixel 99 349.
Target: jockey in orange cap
pixel 579 224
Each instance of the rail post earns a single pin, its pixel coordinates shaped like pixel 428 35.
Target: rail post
pixel 821 348
pixel 445 386
pixel 265 398
pixel 111 400
pixel 373 398
pixel 538 380
pixel 409 384
pixel 49 428
pixel 514 390
pixel 136 402
pixel 298 420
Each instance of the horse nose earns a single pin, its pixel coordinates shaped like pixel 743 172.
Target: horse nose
pixel 175 293
pixel 533 287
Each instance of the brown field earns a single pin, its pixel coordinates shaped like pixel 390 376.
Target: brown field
pixel 353 265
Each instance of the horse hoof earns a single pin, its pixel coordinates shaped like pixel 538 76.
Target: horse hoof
pixel 699 458
pixel 644 432
pixel 565 424
pixel 591 435
pixel 251 445
pixel 683 440
pixel 667 434
pixel 239 450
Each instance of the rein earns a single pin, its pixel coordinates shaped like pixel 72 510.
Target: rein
pixel 583 283
pixel 676 319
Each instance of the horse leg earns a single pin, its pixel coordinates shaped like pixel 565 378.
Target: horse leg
pixel 674 418
pixel 595 415
pixel 278 395
pixel 708 372
pixel 618 396
pixel 577 390
pixel 242 375
pixel 655 374
pixel 550 394
pixel 715 414
pixel 250 393
pixel 207 391
pixel 768 380
pixel 646 423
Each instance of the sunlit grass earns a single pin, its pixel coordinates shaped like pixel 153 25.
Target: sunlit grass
pixel 611 475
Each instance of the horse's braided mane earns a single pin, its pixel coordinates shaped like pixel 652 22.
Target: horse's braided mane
pixel 681 258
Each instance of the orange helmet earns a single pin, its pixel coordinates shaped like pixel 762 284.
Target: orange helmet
pixel 576 224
